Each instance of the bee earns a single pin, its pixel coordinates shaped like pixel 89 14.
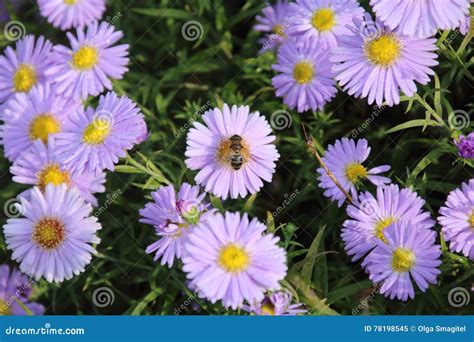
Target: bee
pixel 236 159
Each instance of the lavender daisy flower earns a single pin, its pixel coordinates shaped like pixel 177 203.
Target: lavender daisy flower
pixel 53 239
pixel 15 287
pixel 228 258
pixel 306 80
pixel 344 159
pixel 378 65
pixel 65 14
pixel 373 215
pixel 233 152
pixel 457 219
pixel 420 18
pixel 322 22
pixel 466 24
pixel 34 116
pixel 23 68
pixel 173 216
pixel 42 165
pixel 94 140
pixel 87 67
pixel 273 21
pixel 410 253
pixel 276 304
pixel 465 146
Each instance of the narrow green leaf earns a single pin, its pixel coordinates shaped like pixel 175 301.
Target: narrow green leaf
pixel 411 124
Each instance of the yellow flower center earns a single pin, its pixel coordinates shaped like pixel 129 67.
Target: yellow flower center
pixel 42 126
pixel 268 308
pixel 233 258
pixel 471 220
pixel 49 233
pixel 96 132
pixel 381 225
pixel 279 30
pixel 403 260
pixel 25 78
pixel 303 72
pixel 383 51
pixel 4 308
pixel 70 2
pixel 52 174
pixel 323 19
pixel 355 172
pixel 85 58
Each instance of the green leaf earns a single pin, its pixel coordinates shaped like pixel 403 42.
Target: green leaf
pixel 411 124
pixel 427 160
pixel 249 203
pixel 310 259
pixel 164 13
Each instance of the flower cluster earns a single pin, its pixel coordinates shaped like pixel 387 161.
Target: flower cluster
pixel 59 147
pixel 319 42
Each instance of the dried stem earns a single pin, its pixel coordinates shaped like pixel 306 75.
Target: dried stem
pixel 314 151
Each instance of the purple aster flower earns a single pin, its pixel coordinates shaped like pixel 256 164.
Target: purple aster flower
pixel 23 68
pixel 465 146
pixel 94 140
pixel 306 80
pixel 233 152
pixel 420 18
pixel 372 215
pixel 379 64
pixel 322 22
pixel 466 23
pixel 457 219
pixel 54 238
pixel 274 21
pixel 410 253
pixel 34 116
pixel 344 159
pixel 173 216
pixel 65 14
pixel 229 258
pixel 276 304
pixel 15 287
pixel 42 165
pixel 87 67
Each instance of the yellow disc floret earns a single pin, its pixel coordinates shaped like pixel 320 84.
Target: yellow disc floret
pixel 42 126
pixel 323 19
pixel 85 58
pixel 233 258
pixel 403 260
pixel 303 72
pixel 355 172
pixel 279 30
pixel 96 132
pixel 383 51
pixel 52 174
pixel 4 308
pixel 24 78
pixel 381 225
pixel 268 308
pixel 471 220
pixel 70 2
pixel 48 233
